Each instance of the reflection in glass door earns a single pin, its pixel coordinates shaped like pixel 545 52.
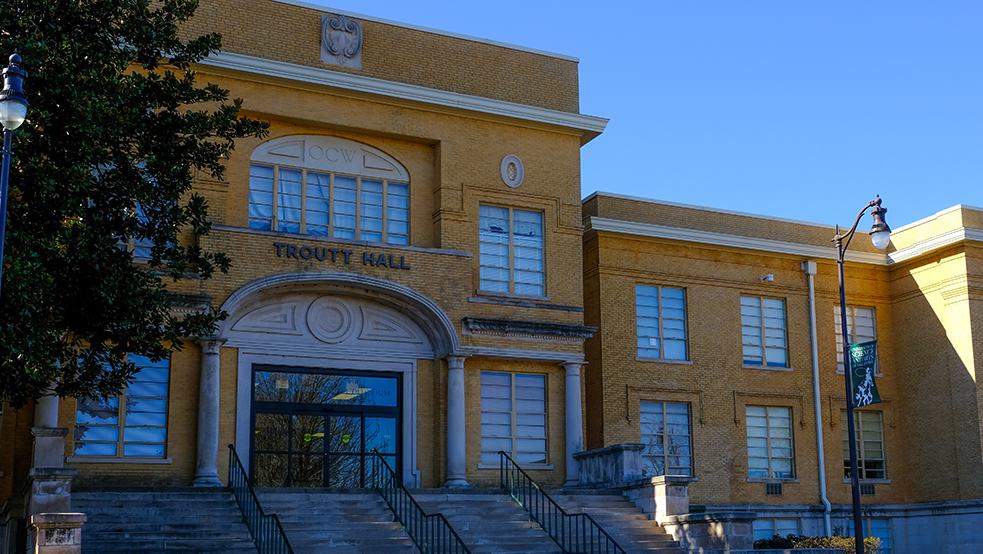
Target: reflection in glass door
pixel 328 444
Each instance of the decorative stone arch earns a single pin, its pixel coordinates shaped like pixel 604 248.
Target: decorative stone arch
pixel 341 321
pixel 332 154
pixel 418 307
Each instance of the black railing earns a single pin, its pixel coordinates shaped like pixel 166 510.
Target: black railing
pixel 432 534
pixel 265 528
pixel 574 533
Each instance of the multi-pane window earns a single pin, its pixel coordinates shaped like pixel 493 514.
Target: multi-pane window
pixel 511 251
pixel 763 331
pixel 860 327
pixel 869 428
pixel 513 417
pixel 766 528
pixel 328 204
pixel 132 424
pixel 660 319
pixel 667 439
pixel 769 442
pixel 140 245
pixel 876 527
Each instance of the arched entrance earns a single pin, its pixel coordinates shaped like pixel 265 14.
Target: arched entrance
pixel 327 371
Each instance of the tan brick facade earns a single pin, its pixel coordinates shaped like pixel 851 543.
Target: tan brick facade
pixel 452 155
pixel 925 296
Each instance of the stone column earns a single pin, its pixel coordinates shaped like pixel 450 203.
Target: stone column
pixel 456 433
pixel 206 474
pixel 49 481
pixel 575 422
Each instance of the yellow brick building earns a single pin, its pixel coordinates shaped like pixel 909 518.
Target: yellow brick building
pixel 404 241
pixel 683 295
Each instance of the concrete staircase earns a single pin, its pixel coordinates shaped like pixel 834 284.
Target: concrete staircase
pixel 338 521
pixel 487 521
pixel 187 520
pixel 621 519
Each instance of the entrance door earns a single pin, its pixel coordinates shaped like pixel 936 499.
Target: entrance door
pixel 327 444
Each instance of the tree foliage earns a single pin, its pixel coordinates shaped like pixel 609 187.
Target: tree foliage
pixel 116 130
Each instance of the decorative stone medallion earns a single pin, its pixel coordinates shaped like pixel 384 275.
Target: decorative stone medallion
pixel 330 319
pixel 341 41
pixel 512 170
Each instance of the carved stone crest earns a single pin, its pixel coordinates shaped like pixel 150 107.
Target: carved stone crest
pixel 341 41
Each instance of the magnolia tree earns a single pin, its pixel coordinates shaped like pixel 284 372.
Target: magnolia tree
pixel 117 127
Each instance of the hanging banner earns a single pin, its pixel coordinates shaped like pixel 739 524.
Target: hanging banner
pixel 863 358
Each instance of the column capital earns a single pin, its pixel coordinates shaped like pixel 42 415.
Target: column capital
pixel 211 345
pixel 455 362
pixel 573 368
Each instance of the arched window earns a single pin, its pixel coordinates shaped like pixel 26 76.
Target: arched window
pixel 330 187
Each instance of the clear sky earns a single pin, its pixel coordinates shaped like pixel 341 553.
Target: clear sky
pixel 802 110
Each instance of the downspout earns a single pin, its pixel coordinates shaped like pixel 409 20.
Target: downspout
pixel 809 267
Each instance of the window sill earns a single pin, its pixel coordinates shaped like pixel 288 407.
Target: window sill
pixel 663 361
pixel 766 367
pixel 771 480
pixel 115 460
pixel 846 481
pixel 512 295
pixel 527 467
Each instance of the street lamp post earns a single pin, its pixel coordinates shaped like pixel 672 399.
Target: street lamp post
pixel 13 111
pixel 880 235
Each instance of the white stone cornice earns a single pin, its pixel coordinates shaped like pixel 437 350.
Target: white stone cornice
pixel 586 126
pixel 733 241
pixel 934 243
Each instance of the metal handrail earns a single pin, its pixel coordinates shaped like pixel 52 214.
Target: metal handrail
pixel 265 528
pixel 432 533
pixel 574 533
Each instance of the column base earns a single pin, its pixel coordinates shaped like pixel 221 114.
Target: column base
pixel 459 483
pixel 207 481
pixel 59 533
pixel 571 483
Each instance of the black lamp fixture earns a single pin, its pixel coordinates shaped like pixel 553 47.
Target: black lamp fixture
pixel 13 112
pixel 880 236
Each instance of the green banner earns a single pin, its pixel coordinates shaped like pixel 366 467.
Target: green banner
pixel 863 357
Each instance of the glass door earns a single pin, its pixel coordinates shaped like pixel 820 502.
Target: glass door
pixel 328 444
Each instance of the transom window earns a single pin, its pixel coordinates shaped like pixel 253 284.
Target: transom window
pixel 511 251
pixel 132 424
pixel 860 326
pixel 869 428
pixel 667 440
pixel 769 442
pixel 513 417
pixel 327 204
pixel 660 319
pixel 763 331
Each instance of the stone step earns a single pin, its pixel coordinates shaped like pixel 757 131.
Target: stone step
pixel 145 522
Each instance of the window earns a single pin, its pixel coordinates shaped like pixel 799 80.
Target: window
pixel 132 424
pixel 763 331
pixel 769 442
pixel 870 444
pixel 328 204
pixel 666 436
pixel 876 527
pixel 138 244
pixel 511 251
pixel 766 528
pixel 861 327
pixel 513 417
pixel 660 319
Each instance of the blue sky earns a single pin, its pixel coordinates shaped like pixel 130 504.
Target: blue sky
pixel 802 110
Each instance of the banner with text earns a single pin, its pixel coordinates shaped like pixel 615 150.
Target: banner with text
pixel 863 358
